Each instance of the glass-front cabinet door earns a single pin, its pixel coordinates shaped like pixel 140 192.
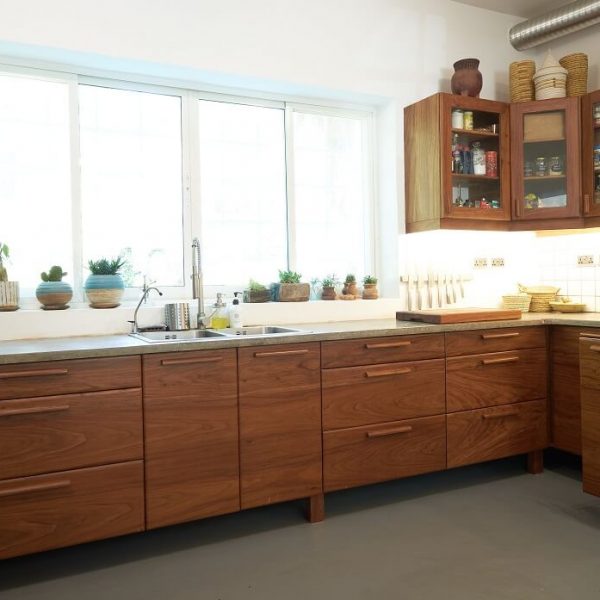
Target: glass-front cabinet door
pixel 590 158
pixel 546 159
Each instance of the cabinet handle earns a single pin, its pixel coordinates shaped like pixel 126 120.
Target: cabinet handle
pixel 38 373
pixel 497 336
pixel 169 362
pixel 595 348
pixel 388 345
pixel 586 203
pixel 513 413
pixel 519 208
pixel 280 353
pixel 499 361
pixel 33 410
pixel 35 487
pixel 389 373
pixel 395 431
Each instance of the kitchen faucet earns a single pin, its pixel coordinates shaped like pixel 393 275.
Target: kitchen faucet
pixel 197 285
pixel 145 291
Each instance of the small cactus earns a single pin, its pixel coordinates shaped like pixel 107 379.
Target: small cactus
pixel 55 273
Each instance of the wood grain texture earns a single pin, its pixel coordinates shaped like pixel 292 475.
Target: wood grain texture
pixel 458 315
pixel 316 508
pixel 590 413
pixel 371 351
pixel 493 379
pixel 57 433
pixel 564 341
pixel 489 433
pixel 61 509
pixel 566 406
pixel 280 424
pixel 479 341
pixel 362 455
pixel 69 376
pixel 588 141
pixel 191 436
pixel 535 462
pixel 354 396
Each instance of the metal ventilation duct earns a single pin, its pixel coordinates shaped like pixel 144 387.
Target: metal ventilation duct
pixel 556 23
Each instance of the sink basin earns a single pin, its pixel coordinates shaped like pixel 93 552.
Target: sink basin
pixel 177 336
pixel 258 330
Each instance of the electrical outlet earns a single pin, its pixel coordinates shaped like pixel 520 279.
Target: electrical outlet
pixel 497 262
pixel 480 263
pixel 584 260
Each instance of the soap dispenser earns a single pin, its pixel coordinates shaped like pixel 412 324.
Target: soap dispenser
pixel 220 316
pixel 235 312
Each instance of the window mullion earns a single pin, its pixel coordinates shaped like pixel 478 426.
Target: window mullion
pixel 289 188
pixel 191 201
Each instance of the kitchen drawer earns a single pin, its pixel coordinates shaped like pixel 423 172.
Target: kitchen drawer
pixel 565 341
pixel 485 434
pixel 370 351
pixel 56 433
pixel 70 507
pixel 354 396
pixel 493 379
pixel 69 376
pixel 589 360
pixel 459 343
pixel 566 405
pixel 363 455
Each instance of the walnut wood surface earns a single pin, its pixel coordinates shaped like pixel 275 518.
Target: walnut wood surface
pixel 316 508
pixel 490 433
pixel 493 379
pixel 354 396
pixel 280 424
pixel 590 414
pixel 566 406
pixel 588 141
pixel 458 315
pixel 370 351
pixel 479 341
pixel 191 436
pixel 56 433
pixel 69 376
pixel 362 455
pixel 70 507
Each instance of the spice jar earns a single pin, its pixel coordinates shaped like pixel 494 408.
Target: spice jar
pixel 458 119
pixel 528 170
pixel 597 158
pixel 556 166
pixel 541 168
pixel 491 163
pixel 596 114
pixel 468 119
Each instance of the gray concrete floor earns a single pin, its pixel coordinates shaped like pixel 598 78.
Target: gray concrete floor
pixel 485 532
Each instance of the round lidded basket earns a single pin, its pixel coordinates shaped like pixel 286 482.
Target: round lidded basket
pixel 541 296
pixel 516 302
pixel 576 65
pixel 521 80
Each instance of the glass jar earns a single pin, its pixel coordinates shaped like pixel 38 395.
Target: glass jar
pixel 458 119
pixel 478 159
pixel 597 158
pixel 596 114
pixel 555 165
pixel 541 167
pixel 529 169
pixel 491 163
pixel 468 119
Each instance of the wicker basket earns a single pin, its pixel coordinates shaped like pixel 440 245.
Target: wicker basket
pixel 541 296
pixel 516 302
pixel 521 80
pixel 577 73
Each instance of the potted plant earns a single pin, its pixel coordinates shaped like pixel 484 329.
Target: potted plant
pixel 54 293
pixel 9 290
pixel 256 292
pixel 328 288
pixel 370 288
pixel 104 287
pixel 350 290
pixel 289 288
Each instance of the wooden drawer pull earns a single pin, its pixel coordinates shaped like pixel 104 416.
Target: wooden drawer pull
pixel 280 353
pixel 513 413
pixel 499 361
pixel 498 336
pixel 595 348
pixel 385 432
pixel 35 487
pixel 33 410
pixel 169 362
pixel 389 373
pixel 388 345
pixel 38 373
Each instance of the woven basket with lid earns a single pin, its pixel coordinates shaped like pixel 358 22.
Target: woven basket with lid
pixel 541 296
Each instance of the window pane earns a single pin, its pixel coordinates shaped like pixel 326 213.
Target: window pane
pixel 242 192
pixel 35 181
pixel 131 170
pixel 329 193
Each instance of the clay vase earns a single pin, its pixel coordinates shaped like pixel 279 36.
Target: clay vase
pixel 370 291
pixel 467 79
pixel 328 293
pixel 350 289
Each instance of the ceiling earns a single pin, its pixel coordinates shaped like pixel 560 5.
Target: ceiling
pixel 521 8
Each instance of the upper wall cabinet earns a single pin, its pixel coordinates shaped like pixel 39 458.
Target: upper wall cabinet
pixel 590 158
pixel 456 152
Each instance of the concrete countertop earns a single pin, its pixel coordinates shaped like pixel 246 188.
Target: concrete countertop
pixel 47 349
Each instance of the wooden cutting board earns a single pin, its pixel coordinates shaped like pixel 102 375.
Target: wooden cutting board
pixel 458 315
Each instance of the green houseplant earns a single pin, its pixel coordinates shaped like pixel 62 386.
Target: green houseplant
pixel 104 286
pixel 370 288
pixel 350 291
pixel 290 288
pixel 9 290
pixel 256 292
pixel 328 287
pixel 53 293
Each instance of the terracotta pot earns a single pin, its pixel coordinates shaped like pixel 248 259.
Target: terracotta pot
pixel 467 79
pixel 350 289
pixel 328 293
pixel 370 291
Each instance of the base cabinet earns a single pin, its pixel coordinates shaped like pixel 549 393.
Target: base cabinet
pixel 590 413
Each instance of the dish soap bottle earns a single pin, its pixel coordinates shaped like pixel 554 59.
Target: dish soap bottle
pixel 220 316
pixel 235 312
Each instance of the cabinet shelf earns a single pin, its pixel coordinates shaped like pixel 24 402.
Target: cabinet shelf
pixel 544 140
pixel 474 177
pixel 544 178
pixel 475 133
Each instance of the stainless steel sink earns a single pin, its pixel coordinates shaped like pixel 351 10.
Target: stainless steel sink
pixel 177 336
pixel 258 330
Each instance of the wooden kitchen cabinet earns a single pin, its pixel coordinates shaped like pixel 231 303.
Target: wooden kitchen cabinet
pixel 438 195
pixel 280 425
pixel 590 166
pixel 191 435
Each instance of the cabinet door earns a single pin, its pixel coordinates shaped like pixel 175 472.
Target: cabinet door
pixel 589 353
pixel 191 435
pixel 590 159
pixel 280 423
pixel 546 161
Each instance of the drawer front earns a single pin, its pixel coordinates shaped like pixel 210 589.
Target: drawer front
pixel 56 433
pixel 565 341
pixel 71 507
pixel 69 377
pixel 479 435
pixel 362 455
pixel 355 396
pixel 494 379
pixel 589 360
pixel 566 407
pixel 459 343
pixel 371 351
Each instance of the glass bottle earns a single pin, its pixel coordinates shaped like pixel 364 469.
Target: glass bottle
pixel 478 158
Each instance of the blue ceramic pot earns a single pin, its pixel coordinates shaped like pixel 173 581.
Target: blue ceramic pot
pixel 54 295
pixel 104 291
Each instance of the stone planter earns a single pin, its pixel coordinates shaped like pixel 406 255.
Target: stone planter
pixel 290 292
pixel 104 291
pixel 9 295
pixel 328 293
pixel 255 296
pixel 54 295
pixel 370 291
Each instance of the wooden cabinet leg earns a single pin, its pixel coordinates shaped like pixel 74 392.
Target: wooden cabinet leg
pixel 535 462
pixel 316 508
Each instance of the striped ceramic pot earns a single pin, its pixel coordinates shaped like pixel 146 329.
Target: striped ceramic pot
pixel 104 291
pixel 54 295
